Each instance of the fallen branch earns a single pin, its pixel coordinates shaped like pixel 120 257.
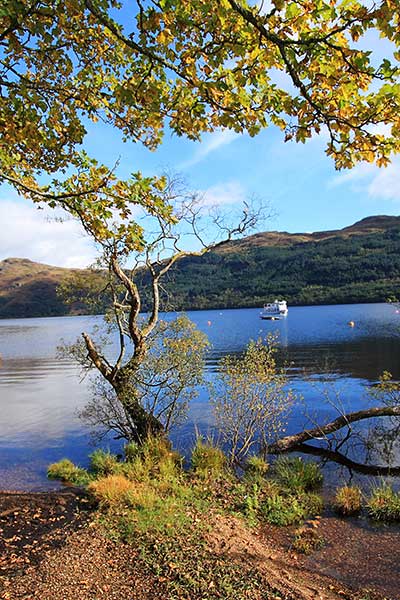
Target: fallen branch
pixel 291 442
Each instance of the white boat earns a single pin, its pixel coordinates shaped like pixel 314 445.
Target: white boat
pixel 274 310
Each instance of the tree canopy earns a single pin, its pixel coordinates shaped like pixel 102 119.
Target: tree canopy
pixel 194 67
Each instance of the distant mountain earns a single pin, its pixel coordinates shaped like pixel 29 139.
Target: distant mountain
pixel 360 263
pixel 29 289
pixel 368 225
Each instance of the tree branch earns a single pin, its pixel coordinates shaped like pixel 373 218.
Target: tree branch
pixel 291 442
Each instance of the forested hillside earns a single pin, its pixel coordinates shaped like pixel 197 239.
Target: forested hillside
pixel 360 263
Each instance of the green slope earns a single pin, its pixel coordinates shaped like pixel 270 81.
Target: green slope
pixel 360 263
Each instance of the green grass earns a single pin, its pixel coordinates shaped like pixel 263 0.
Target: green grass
pixel 208 461
pixel 282 510
pixel 256 469
pixel 296 475
pixel 384 504
pixel 65 470
pixel 103 463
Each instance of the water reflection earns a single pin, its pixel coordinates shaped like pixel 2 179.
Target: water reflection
pixel 41 394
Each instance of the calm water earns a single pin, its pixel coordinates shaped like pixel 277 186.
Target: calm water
pixel 40 394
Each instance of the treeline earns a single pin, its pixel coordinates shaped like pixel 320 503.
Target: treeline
pixel 340 269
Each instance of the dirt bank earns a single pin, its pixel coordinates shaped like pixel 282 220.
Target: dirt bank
pixel 52 549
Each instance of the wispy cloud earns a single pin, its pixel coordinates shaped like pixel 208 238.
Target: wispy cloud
pixel 379 183
pixel 386 183
pixel 210 143
pixel 230 192
pixel 35 234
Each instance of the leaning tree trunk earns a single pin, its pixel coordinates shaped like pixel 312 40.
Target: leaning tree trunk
pixel 298 441
pixel 145 424
pixel 291 442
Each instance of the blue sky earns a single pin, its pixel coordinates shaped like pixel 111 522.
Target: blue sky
pixel 298 181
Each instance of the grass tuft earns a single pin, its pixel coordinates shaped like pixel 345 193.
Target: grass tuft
pixel 256 469
pixel 348 501
pixel 208 461
pixel 103 463
pixel 66 471
pixel 384 504
pixel 282 510
pixel 296 475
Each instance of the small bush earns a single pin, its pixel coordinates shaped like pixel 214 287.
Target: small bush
pixel 307 539
pixel 131 451
pixel 311 503
pixel 296 475
pixel 111 490
pixel 154 460
pixel 208 461
pixel 103 463
pixel 65 470
pixel 256 468
pixel 282 510
pixel 384 504
pixel 348 501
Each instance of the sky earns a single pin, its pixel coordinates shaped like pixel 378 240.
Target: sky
pixel 297 181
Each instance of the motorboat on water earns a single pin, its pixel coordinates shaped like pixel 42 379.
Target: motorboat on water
pixel 273 311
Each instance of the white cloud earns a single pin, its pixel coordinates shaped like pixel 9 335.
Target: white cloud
pixel 27 232
pixel 231 192
pixel 379 183
pixel 358 173
pixel 209 144
pixel 386 183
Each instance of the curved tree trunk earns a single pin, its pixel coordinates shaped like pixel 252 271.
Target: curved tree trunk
pixel 291 442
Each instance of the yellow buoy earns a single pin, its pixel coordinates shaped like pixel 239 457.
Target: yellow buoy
pixel 351 323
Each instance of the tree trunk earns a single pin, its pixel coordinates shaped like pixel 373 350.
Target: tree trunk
pixel 145 424
pixel 291 442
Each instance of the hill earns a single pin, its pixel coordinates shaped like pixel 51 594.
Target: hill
pixel 360 263
pixel 29 289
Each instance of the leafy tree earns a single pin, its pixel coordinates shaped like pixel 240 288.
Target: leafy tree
pixel 195 66
pixel 154 363
pixel 250 402
pixel 164 383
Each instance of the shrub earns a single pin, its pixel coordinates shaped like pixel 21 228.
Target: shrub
pixel 282 510
pixel 296 475
pixel 111 490
pixel 103 463
pixel 154 460
pixel 348 500
pixel 65 470
pixel 307 539
pixel 208 461
pixel 256 468
pixel 384 504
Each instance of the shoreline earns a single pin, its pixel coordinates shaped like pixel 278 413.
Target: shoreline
pixel 212 308
pixel 39 528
